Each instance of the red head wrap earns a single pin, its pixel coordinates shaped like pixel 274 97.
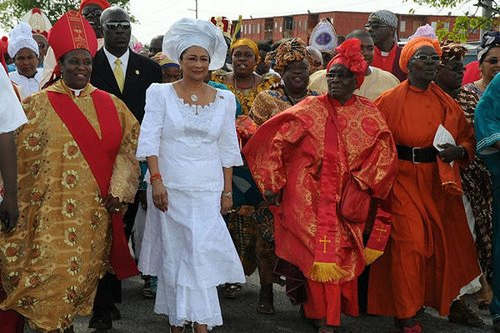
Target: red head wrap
pixel 4 43
pixel 349 54
pixel 412 46
pixel 101 3
pixel 72 32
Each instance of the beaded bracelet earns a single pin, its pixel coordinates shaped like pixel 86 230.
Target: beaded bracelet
pixel 154 177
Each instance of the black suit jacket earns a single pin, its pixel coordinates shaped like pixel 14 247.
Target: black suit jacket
pixel 141 72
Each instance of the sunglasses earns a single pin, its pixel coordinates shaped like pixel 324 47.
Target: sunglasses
pixel 118 25
pixel 425 57
pixel 492 61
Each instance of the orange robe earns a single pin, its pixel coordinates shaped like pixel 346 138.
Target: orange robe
pixel 293 152
pixel 431 254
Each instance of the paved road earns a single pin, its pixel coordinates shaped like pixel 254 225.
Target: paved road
pixel 240 316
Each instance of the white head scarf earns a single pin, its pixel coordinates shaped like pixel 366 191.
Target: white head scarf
pixel 192 32
pixel 21 37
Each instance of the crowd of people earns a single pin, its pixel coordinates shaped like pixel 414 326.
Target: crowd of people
pixel 365 179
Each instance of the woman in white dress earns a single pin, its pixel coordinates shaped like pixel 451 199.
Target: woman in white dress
pixel 188 137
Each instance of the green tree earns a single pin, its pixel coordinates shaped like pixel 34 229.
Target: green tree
pixel 12 10
pixel 464 25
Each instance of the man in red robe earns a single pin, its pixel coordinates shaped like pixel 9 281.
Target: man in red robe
pixel 382 25
pixel 330 158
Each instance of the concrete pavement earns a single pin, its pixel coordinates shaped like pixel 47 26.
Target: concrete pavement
pixel 240 316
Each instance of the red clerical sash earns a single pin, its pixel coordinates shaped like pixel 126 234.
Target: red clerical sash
pixel 100 155
pixel 327 263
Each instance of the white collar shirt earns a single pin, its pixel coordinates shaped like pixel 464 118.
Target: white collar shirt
pixel 124 60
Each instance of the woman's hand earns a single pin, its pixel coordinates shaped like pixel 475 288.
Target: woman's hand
pixel 112 204
pixel 272 198
pixel 160 196
pixel 451 153
pixel 226 203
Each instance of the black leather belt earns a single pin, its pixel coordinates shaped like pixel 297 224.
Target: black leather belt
pixel 417 154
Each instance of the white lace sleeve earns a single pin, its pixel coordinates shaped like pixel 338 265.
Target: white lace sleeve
pixel 228 140
pixel 152 124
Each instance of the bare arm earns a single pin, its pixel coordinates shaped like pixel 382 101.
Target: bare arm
pixel 227 196
pixel 160 196
pixel 8 168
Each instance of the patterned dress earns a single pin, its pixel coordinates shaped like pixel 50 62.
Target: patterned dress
pixel 51 263
pixel 246 197
pixel 476 183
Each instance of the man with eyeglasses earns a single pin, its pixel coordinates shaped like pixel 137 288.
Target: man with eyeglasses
pixel 431 254
pixel 382 27
pixel 127 75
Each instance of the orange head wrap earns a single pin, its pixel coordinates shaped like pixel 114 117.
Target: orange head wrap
pixel 246 42
pixel 412 46
pixel 349 54
pixel 101 3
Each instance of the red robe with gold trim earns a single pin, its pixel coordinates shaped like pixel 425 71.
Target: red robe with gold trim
pixel 310 152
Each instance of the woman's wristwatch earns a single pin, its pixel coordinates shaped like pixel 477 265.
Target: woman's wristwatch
pixel 227 194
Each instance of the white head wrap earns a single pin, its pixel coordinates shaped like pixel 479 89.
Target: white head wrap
pixel 424 31
pixel 21 37
pixel 38 21
pixel 191 32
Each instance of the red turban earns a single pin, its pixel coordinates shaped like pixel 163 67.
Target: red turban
pixel 412 46
pixel 72 32
pixel 349 54
pixel 4 43
pixel 101 3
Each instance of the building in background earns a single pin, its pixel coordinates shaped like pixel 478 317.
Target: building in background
pixel 301 25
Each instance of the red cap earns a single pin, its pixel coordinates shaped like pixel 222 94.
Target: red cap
pixel 72 31
pixel 101 3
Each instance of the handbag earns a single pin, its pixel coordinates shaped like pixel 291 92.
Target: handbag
pixel 355 204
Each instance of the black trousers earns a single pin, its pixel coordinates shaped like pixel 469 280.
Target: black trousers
pixel 109 289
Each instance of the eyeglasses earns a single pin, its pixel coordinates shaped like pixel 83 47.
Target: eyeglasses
pixel 340 76
pixel 375 25
pixel 426 57
pixel 492 61
pixel 118 25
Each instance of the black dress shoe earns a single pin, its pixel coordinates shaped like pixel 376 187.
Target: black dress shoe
pixel 101 321
pixel 115 313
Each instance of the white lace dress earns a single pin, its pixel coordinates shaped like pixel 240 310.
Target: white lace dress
pixel 189 247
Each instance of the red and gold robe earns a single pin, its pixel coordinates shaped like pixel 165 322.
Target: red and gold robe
pixel 310 152
pixel 53 260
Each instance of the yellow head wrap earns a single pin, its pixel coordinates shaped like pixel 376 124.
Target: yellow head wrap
pixel 246 42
